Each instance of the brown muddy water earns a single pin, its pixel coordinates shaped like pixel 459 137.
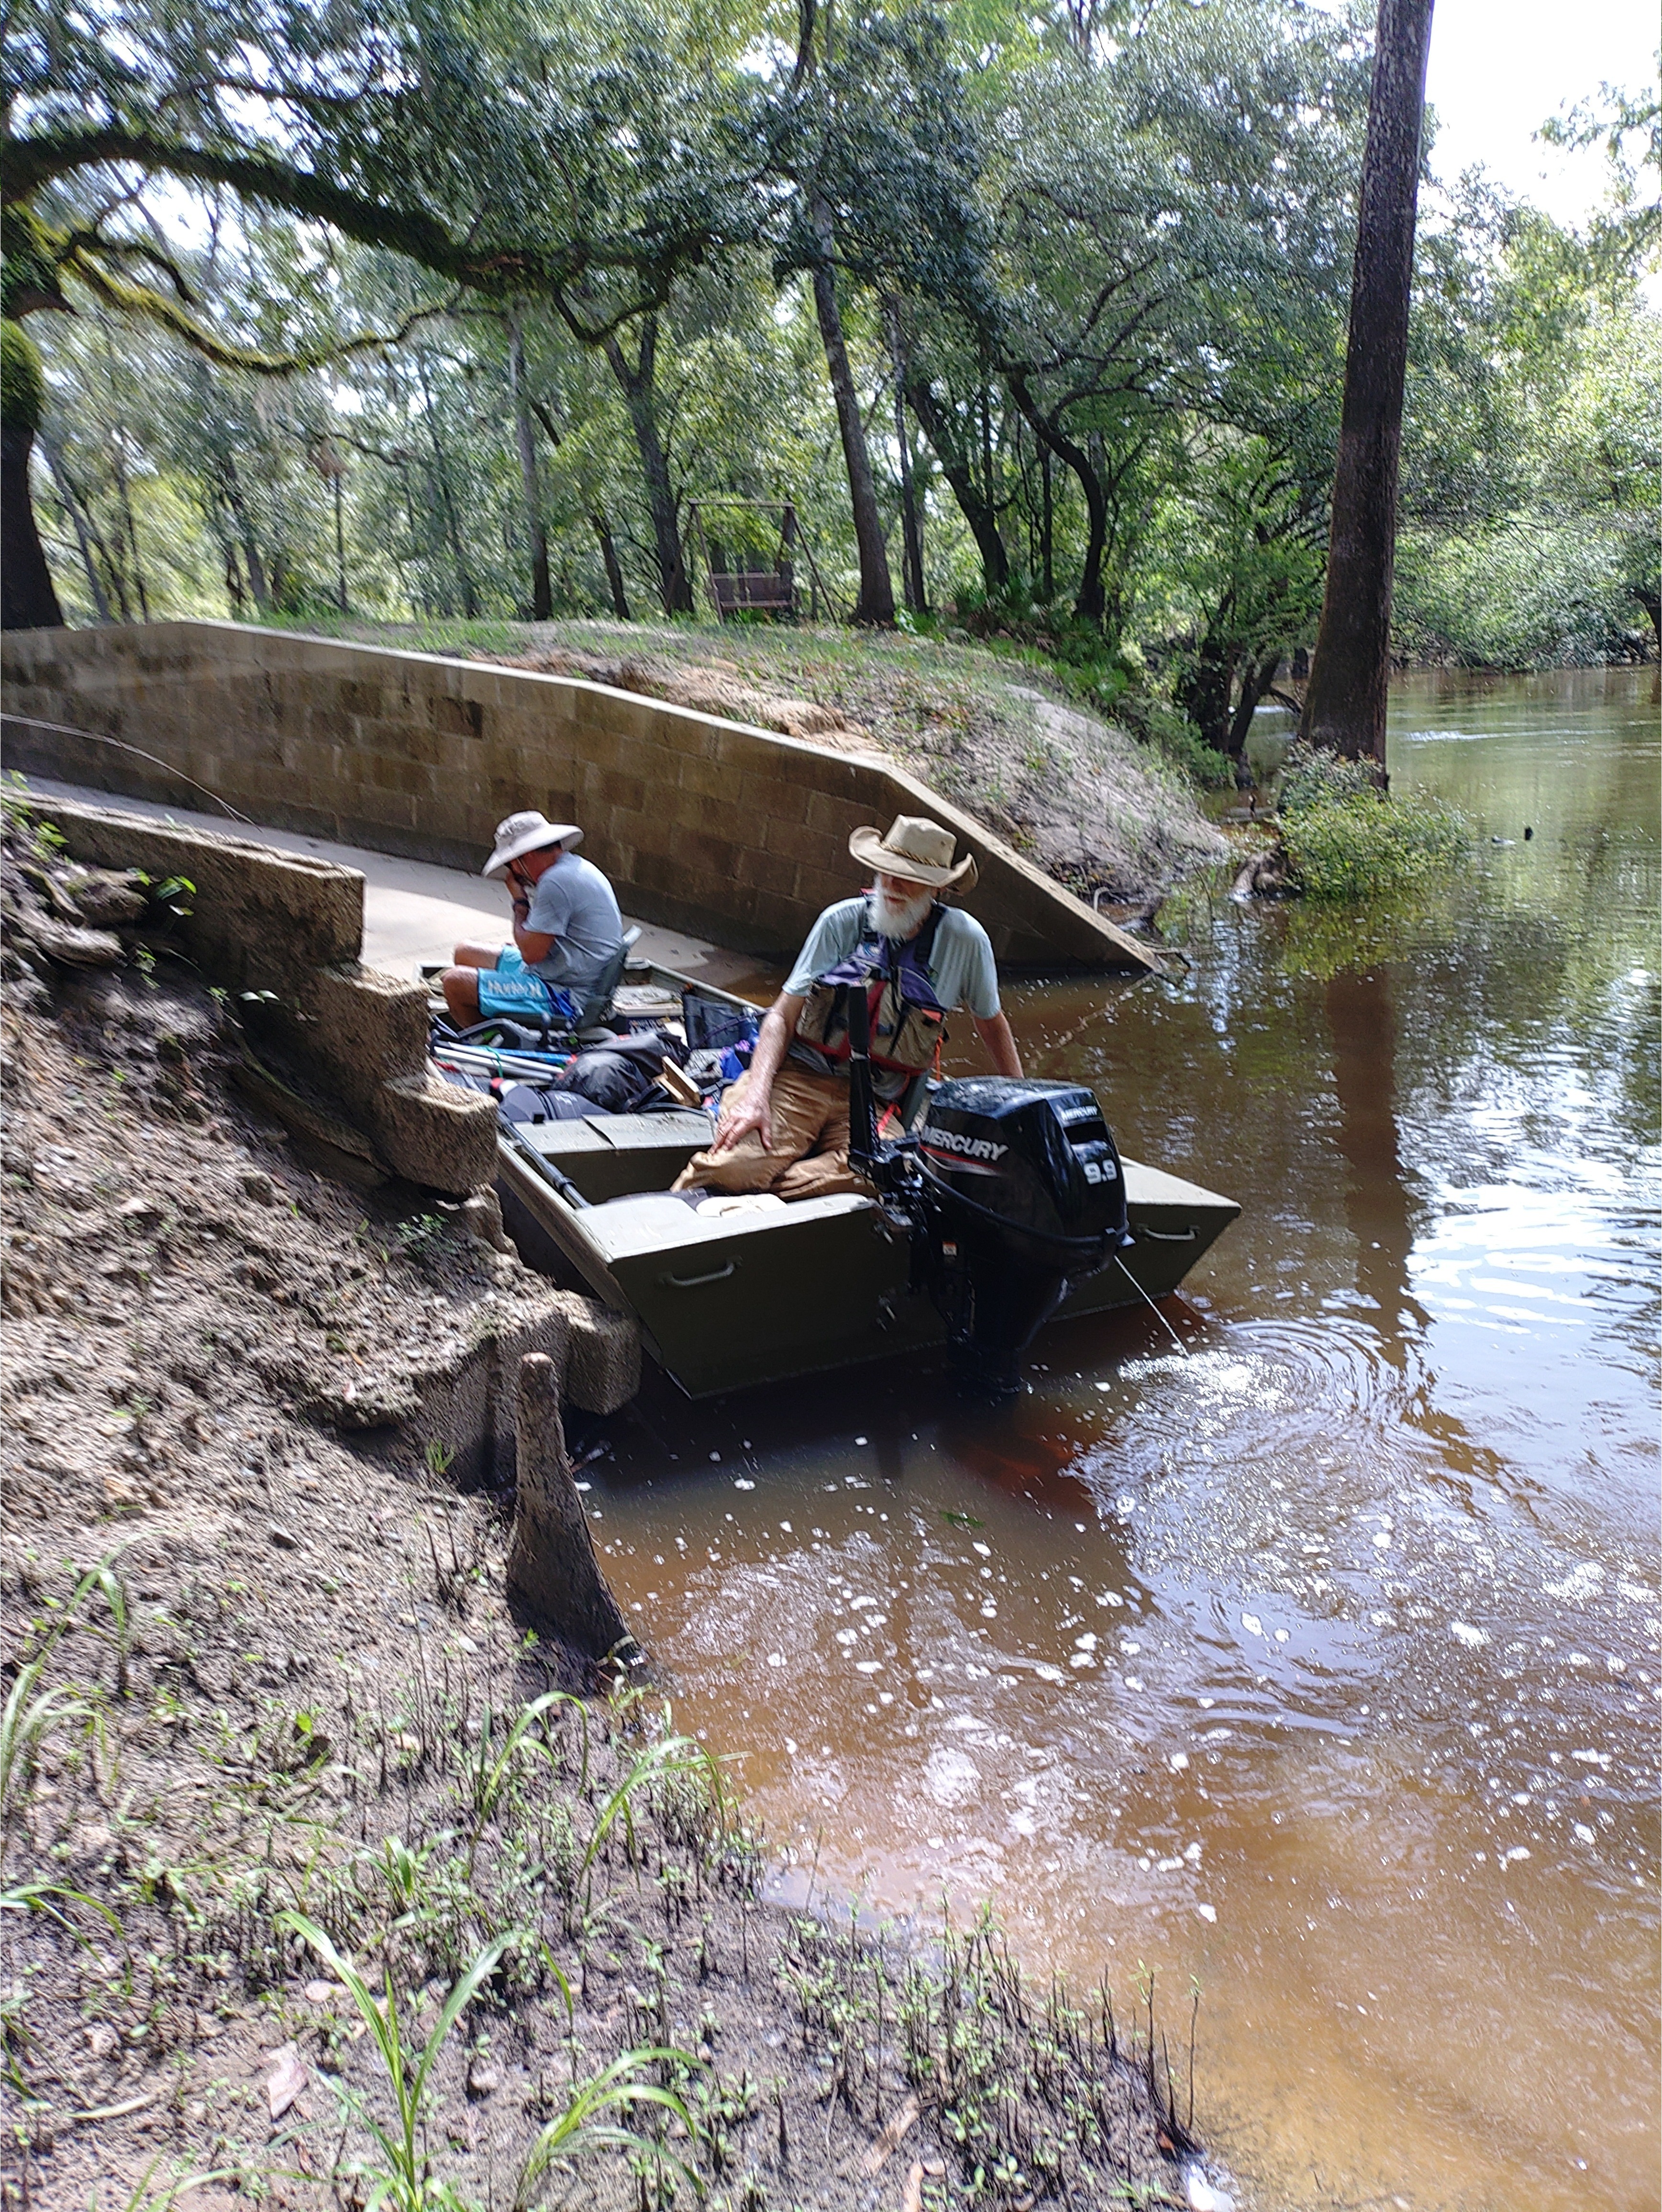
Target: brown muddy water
pixel 1316 1662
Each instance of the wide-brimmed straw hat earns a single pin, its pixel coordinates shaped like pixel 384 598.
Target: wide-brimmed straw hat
pixel 916 848
pixel 528 832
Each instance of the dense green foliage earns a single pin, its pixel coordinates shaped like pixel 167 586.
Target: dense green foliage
pixel 1345 839
pixel 456 307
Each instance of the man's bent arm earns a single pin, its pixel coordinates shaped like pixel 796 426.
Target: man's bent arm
pixel 995 1034
pixel 533 944
pixel 778 1028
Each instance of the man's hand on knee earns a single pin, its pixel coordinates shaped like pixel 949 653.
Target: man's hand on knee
pixel 755 1113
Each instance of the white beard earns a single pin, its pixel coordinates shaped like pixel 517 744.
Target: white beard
pixel 900 919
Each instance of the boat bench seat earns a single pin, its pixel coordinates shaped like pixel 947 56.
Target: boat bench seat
pixel 656 1221
pixel 610 1156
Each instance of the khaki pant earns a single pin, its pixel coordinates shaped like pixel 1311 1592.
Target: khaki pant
pixel 810 1155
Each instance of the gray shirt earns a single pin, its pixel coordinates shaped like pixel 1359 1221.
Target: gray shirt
pixel 573 903
pixel 961 968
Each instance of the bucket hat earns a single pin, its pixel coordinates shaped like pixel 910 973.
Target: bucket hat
pixel 917 849
pixel 528 832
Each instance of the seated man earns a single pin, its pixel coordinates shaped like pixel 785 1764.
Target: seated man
pixel 784 1124
pixel 566 928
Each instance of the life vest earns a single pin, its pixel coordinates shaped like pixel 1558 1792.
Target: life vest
pixel 908 1021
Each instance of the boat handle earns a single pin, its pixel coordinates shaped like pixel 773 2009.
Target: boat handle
pixel 696 1282
pixel 1168 1236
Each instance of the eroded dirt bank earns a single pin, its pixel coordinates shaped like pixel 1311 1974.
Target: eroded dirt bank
pixel 260 1664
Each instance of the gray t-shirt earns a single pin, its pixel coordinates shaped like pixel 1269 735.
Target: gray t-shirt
pixel 961 968
pixel 573 903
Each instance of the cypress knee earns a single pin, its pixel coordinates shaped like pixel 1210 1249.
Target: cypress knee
pixel 552 1572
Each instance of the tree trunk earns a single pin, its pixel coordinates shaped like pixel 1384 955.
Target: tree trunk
pixel 129 521
pixel 1047 571
pixel 447 499
pixel 614 569
pixel 1204 692
pixel 876 601
pixel 340 542
pixel 1091 600
pixel 28 599
pixel 1257 677
pixel 86 529
pixel 981 518
pixel 253 559
pixel 911 525
pixel 542 595
pixel 637 385
pixel 124 489
pixel 1345 707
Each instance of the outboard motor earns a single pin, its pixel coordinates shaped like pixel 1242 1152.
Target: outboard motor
pixel 1017 1193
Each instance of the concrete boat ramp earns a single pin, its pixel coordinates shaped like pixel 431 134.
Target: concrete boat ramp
pixel 415 913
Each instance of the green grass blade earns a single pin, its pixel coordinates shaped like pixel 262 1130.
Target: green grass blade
pixel 383 2028
pixel 462 1995
pixel 32 1896
pixel 670 1754
pixel 577 2133
pixel 491 1787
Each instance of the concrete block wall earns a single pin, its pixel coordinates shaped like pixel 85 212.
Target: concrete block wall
pixel 736 833
pixel 288 924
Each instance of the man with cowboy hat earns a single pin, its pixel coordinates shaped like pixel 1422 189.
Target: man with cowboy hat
pixel 566 926
pixel 784 1124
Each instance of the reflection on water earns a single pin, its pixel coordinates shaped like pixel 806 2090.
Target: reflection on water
pixel 1317 1659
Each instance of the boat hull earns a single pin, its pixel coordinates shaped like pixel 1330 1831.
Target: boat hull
pixel 728 1303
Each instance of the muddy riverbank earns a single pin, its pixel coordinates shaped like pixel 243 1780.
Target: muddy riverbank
pixel 269 1714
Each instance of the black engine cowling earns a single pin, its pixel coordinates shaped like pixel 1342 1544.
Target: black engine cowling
pixel 1023 1193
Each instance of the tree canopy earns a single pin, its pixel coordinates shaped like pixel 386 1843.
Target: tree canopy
pixel 453 307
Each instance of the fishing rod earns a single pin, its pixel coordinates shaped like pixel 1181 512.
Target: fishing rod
pixel 1151 1307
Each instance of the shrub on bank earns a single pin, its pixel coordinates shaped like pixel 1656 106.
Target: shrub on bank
pixel 1170 733
pixel 1347 839
pixel 1364 844
pixel 1311 778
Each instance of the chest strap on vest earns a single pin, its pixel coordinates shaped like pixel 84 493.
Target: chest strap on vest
pixel 906 1019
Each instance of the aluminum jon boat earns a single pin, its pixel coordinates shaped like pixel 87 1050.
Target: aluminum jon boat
pixel 730 1301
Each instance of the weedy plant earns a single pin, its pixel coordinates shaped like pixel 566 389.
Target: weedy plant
pixel 1347 839
pixel 581 2129
pixel 31 1713
pixel 664 1755
pixel 1032 2093
pixel 152 2193
pixel 485 1773
pixel 405 2181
